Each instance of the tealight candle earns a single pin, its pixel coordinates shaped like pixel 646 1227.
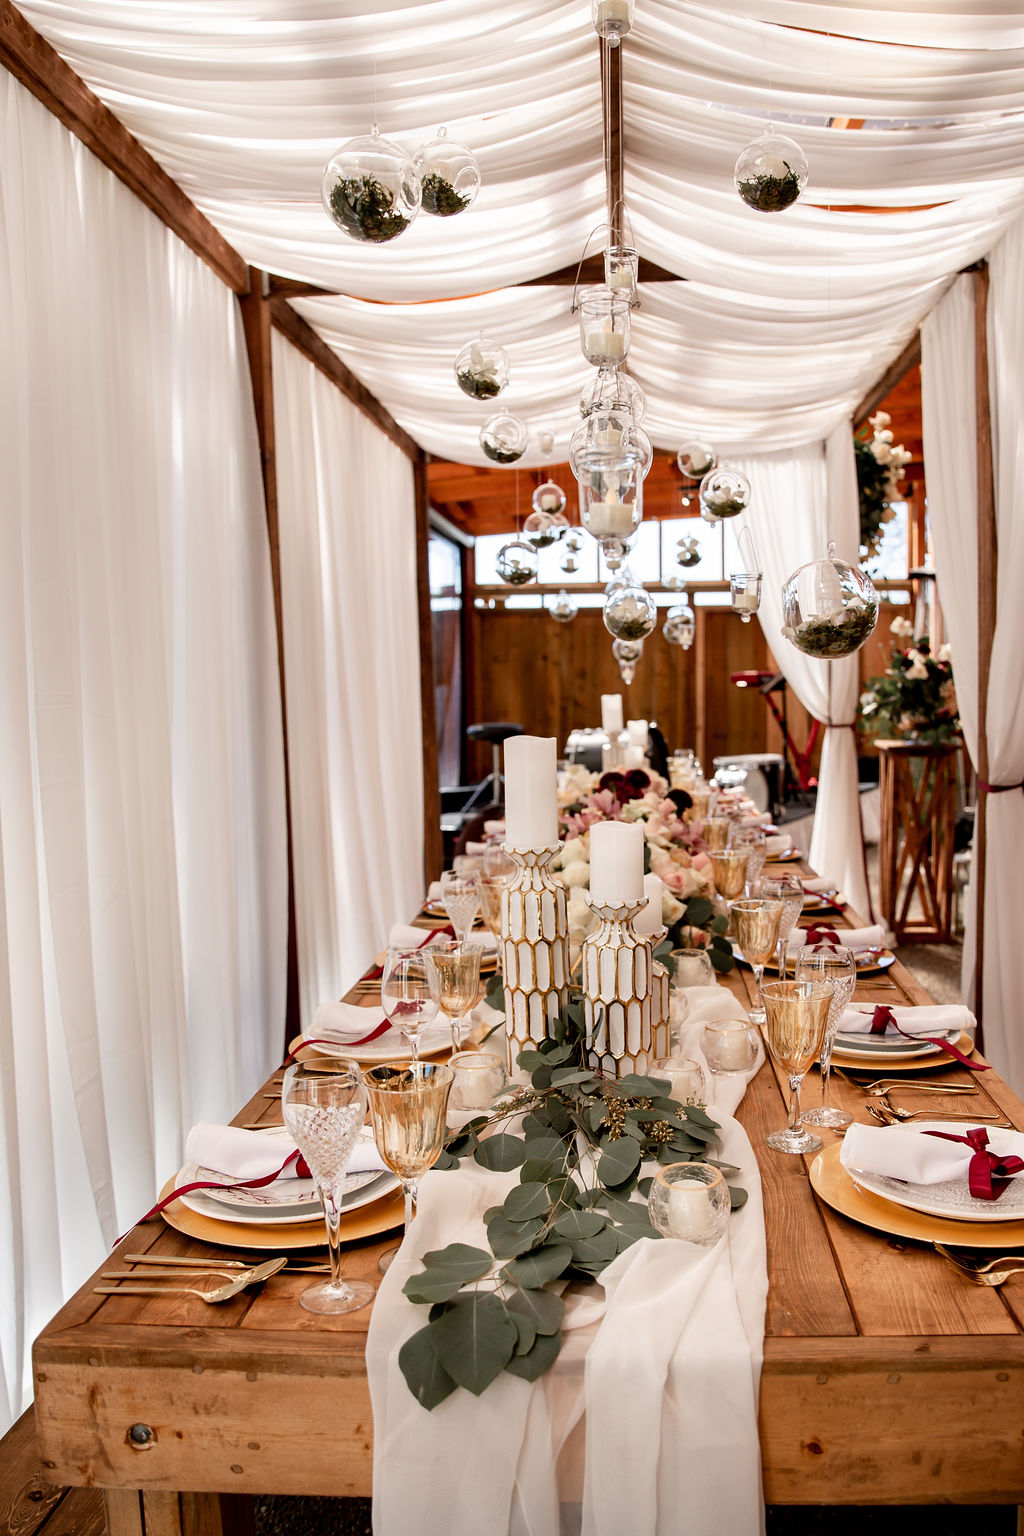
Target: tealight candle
pixel 612 10
pixel 729 1046
pixel 690 1201
pixel 531 792
pixel 606 345
pixel 611 713
pixel 610 519
pixel 616 861
pixel 747 601
pixel 687 1081
pixel 622 277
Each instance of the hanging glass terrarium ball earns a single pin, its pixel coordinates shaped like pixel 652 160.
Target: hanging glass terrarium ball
pixel 695 459
pixel 630 613
pixel 449 175
pixel 611 391
pixel 614 552
pixel 573 542
pixel 516 563
pixel 627 653
pixel 481 368
pixel 538 530
pixel 569 563
pixel 680 625
pixel 504 438
pixel 612 19
pixel 771 172
pixel 564 608
pixel 560 524
pixel 371 188
pixel 688 553
pixel 829 608
pixel 549 498
pixel 724 492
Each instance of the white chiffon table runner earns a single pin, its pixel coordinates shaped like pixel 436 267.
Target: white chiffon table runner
pixel 657 1379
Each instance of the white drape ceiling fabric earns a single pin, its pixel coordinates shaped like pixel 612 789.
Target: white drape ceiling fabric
pixel 783 322
pixel 352 676
pixel 143 886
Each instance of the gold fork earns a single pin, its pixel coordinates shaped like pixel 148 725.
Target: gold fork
pixel 231 1287
pixel 889 1115
pixel 994 1272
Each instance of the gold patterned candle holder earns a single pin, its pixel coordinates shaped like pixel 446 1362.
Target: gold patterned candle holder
pixel 618 978
pixel 661 1021
pixel 534 949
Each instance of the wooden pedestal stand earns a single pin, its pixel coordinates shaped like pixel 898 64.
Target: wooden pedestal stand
pixel 915 854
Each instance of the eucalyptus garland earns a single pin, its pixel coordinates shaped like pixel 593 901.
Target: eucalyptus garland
pixel 580 1149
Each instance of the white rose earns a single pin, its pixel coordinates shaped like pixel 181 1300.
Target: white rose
pixel 944 653
pixel 671 910
pixel 574 851
pixel 880 452
pixel 879 419
pixel 883 437
pixel 576 876
pixel 917 671
pixel 581 918
pixel 901 626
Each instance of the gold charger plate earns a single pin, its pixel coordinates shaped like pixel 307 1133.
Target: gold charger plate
pixel 368 1221
pixel 830 1180
pixel 315 1058
pixel 900 1063
pixel 881 961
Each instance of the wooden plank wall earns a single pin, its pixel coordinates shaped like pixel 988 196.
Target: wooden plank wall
pixel 550 678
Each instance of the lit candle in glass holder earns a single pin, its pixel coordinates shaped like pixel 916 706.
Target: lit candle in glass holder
pixel 690 1201
pixel 688 1084
pixel 745 587
pixel 729 1046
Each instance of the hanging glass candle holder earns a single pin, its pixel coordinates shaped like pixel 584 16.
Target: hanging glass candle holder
pixel 516 563
pixel 627 653
pixel 538 530
pixel 569 563
pixel 564 608
pixel 829 608
pixel 630 613
pixel 610 496
pixel 695 459
pixel 612 19
pixel 688 553
pixel 637 438
pixel 745 587
pixel 449 175
pixel 504 438
pixel 680 626
pixel 604 326
pixel 481 368
pixel 371 188
pixel 546 443
pixel 614 552
pixel 621 264
pixel 611 391
pixel 724 492
pixel 549 498
pixel 771 172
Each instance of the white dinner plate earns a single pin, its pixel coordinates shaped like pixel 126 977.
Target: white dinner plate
pixel 390 1047
pixel 287 1200
pixel 953 1199
pixel 898 1045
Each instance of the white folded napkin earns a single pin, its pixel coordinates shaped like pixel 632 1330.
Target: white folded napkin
pixel 404 937
pixel 244 1155
pixel 854 938
pixel 475 850
pixel 928 1020
pixel 434 892
pixel 817 886
pixel 346 1021
pixel 778 842
pixel 897 1152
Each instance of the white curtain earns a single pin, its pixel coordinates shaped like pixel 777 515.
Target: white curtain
pixel 783 322
pixel 800 500
pixel 142 852
pixel 352 676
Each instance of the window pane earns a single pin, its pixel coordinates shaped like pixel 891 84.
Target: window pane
pixel 891 562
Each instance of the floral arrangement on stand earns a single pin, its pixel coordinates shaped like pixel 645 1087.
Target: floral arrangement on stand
pixel 673 850
pixel 915 696
pixel 880 468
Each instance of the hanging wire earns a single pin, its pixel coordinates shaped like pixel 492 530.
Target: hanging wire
pixel 745 531
pixel 576 285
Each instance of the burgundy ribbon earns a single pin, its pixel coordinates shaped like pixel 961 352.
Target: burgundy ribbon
pixel 822 938
pixel 374 1034
pixel 998 789
pixel 883 1017
pixel 984 1166
pixel 296 1157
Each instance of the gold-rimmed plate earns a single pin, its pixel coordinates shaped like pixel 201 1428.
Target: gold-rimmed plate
pixel 368 1221
pixel 831 1182
pixel 897 1061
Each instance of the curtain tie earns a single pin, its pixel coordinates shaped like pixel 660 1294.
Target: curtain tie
pixel 999 789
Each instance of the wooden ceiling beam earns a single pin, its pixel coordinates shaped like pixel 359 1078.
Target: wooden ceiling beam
pixel 40 68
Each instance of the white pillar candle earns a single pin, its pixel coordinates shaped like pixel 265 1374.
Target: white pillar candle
pixel 747 601
pixel 611 713
pixel 689 1211
pixel 612 519
pixel 648 921
pixel 622 277
pixel 606 344
pixel 608 437
pixel 616 861
pixel 531 792
pixel 637 731
pixel 634 756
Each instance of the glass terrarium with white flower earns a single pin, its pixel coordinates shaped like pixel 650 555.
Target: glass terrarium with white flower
pixel 915 697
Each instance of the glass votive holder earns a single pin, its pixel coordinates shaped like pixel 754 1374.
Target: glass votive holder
pixel 480 1077
pixel 730 1046
pixel 688 1083
pixel 604 326
pixel 691 968
pixel 689 1201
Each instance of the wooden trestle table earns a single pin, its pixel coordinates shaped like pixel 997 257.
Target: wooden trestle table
pixel 887 1378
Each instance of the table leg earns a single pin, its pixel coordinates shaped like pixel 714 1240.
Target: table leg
pixel 138 1512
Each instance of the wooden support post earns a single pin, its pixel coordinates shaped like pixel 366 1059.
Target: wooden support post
pixel 611 102
pixel 988 551
pixel 255 308
pixel 433 853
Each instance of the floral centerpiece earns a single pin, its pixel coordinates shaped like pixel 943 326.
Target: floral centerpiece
pixel 673 850
pixel 915 696
pixel 880 468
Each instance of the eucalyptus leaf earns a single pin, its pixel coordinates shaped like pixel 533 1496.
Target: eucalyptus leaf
pixel 600 1248
pixel 618 1162
pixel 530 1060
pixel 701 1117
pixel 537 1268
pixel 531 1366
pixel 446 1160
pixel 431 1286
pixel 526 1200
pixel 509 1239
pixel 560 1054
pixel 425 1376
pixel 474 1340
pixel 699 911
pixel 495 992
pixel 562 1192
pixel 544 1307
pixel 526 1332
pixel 500 1153
pixel 459 1259
pixel 565 1077
pixel 580 1224
pixel 737 1196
